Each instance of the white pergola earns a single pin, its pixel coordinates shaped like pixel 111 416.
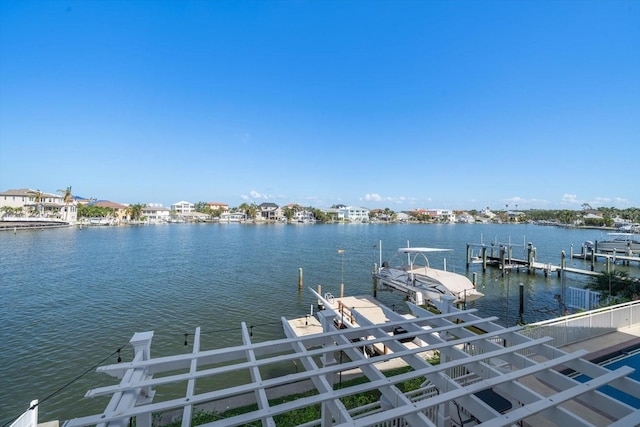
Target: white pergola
pixel 487 375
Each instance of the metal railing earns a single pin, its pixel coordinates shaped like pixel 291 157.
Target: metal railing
pixel 577 327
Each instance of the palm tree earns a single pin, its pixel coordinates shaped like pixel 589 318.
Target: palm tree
pixel 67 198
pixel 37 199
pixel 248 210
pixel 289 212
pixel 244 208
pixel 253 210
pixel 8 210
pixel 135 211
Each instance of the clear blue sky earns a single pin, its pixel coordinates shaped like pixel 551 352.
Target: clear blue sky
pixel 399 104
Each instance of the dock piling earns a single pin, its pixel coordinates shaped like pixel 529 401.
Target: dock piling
pixel 521 308
pixel 484 259
pixel 300 278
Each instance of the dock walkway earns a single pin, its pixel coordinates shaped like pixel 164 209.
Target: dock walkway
pixel 349 308
pixel 505 261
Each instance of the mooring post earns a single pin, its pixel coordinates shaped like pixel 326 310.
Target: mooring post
pixel 475 279
pixel 468 255
pixel 375 280
pixel 484 259
pixel 502 261
pixel 563 263
pixel 521 310
pixel 300 279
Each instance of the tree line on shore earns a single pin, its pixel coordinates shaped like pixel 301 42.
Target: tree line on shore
pixel 560 216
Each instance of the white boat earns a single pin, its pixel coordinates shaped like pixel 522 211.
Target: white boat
pixel 408 270
pixel 621 242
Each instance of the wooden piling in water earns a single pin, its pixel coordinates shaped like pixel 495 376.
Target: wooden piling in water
pixel 521 300
pixel 375 280
pixel 563 263
pixel 484 259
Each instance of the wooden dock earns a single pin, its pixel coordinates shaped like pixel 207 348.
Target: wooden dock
pixel 612 257
pixel 505 261
pixel 366 306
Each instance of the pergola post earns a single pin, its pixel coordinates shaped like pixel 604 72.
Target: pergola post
pixel 141 343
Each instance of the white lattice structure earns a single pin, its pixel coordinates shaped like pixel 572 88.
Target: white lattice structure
pixel 29 418
pixel 495 378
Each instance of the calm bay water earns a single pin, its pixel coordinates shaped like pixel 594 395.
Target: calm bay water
pixel 71 297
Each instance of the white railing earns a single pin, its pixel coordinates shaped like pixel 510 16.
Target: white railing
pixel 583 299
pixel 29 418
pixel 577 327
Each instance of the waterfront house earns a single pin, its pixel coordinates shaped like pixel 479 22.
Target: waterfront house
pixel 156 213
pixel 335 214
pixel 486 212
pixel 232 217
pixel 119 210
pixel 304 216
pixel 442 215
pixel 464 217
pixel 223 208
pixel 27 202
pixel 354 214
pixel 269 212
pixel 183 207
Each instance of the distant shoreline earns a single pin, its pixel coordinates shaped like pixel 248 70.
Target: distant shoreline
pixel 38 224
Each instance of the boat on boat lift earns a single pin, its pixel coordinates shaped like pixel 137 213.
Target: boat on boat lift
pixel 409 270
pixel 620 242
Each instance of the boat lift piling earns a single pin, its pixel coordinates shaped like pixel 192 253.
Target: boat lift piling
pixel 320 303
pixel 521 307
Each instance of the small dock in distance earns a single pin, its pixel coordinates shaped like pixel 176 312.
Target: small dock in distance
pixel 609 257
pixel 501 255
